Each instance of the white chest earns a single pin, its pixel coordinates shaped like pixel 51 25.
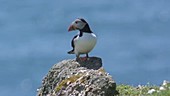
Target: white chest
pixel 85 43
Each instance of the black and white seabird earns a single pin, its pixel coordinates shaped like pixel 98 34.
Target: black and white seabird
pixel 84 41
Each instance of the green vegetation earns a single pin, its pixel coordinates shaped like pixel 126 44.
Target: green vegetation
pixel 146 90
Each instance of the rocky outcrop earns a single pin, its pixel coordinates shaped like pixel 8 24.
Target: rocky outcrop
pixel 78 78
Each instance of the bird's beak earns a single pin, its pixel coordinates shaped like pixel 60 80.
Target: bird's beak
pixel 71 28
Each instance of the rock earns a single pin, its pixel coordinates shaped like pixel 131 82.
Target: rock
pixel 78 78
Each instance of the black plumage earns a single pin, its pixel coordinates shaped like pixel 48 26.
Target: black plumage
pixel 72 44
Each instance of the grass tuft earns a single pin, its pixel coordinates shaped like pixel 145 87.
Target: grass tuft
pixel 143 90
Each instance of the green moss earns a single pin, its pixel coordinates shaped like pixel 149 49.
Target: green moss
pixel 64 82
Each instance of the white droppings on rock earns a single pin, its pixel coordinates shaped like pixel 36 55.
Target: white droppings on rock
pixel 82 71
pixel 68 82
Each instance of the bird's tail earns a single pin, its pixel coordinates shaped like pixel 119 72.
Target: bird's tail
pixel 71 52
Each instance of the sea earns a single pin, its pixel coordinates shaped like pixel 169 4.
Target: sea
pixel 133 40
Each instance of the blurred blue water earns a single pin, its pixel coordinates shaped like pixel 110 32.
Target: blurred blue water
pixel 133 40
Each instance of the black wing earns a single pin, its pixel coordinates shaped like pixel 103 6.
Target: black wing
pixel 72 44
pixel 72 41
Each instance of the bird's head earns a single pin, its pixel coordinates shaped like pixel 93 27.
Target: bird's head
pixel 77 24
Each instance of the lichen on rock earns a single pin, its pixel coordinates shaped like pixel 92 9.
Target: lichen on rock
pixel 78 78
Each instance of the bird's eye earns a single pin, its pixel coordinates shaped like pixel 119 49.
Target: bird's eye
pixel 76 22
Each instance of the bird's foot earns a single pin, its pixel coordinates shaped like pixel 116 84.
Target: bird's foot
pixel 82 59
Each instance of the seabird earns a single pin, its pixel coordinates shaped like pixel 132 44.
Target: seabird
pixel 84 41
